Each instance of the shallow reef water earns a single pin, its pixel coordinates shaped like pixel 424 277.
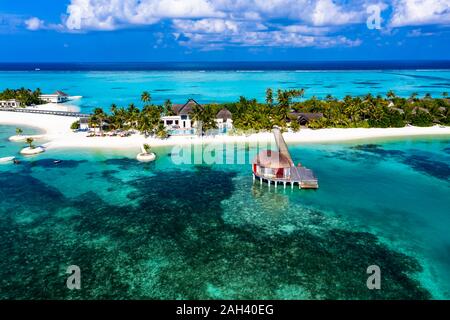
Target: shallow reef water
pixel 172 248
pixel 161 231
pixel 416 159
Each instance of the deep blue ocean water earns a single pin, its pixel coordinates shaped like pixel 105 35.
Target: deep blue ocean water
pixel 228 66
pixel 162 230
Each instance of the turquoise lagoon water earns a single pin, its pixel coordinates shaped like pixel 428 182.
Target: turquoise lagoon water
pixel 8 149
pixel 162 230
pixel 102 88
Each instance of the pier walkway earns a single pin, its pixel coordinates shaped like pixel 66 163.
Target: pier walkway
pixel 51 112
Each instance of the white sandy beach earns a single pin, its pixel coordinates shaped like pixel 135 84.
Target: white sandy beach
pixel 58 133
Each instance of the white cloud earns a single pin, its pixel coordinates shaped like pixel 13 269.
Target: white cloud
pixel 304 29
pixel 273 38
pixel 115 14
pixel 217 23
pixel 420 12
pixel 34 23
pixel 419 33
pixel 207 25
pixel 327 12
pixel 10 22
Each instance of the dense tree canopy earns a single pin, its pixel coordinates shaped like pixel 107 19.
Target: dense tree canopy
pixel 283 109
pixel 24 96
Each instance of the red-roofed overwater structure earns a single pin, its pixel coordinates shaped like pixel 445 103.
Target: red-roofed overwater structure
pixel 277 167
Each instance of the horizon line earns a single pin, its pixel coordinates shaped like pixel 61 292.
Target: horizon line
pixel 239 61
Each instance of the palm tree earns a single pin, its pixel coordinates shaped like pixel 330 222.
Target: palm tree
pixel 428 95
pixel 414 96
pixel 390 94
pixel 168 108
pixel 147 148
pixel 204 118
pixel 444 95
pixel 97 117
pixel 29 141
pixel 368 97
pixel 118 117
pixel 144 124
pixel 269 96
pixel 19 131
pixel 146 97
pixel 161 131
pixel 113 108
pixel 196 117
pixel 149 119
pixel 283 99
pixel 132 115
pixel 36 96
pixel 209 119
pixel 348 99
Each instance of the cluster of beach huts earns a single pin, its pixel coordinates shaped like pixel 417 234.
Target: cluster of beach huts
pixel 56 97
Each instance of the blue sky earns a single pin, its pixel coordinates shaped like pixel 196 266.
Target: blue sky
pixel 203 30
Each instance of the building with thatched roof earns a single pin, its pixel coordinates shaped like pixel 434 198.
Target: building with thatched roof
pixel 185 109
pixel 304 118
pixel 224 120
pixel 420 109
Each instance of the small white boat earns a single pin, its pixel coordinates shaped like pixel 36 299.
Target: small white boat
pixel 7 159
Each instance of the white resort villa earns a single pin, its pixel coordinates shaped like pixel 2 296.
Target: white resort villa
pixel 12 103
pixel 181 120
pixel 57 97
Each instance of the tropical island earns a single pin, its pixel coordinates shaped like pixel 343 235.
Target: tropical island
pixel 283 110
pixel 246 120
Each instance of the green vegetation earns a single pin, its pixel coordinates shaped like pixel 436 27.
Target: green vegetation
pixel 350 112
pixel 19 131
pixel 147 121
pixel 147 148
pixel 26 97
pixel 161 131
pixel 377 112
pixel 295 126
pixel 206 116
pixel 75 125
pixel 283 111
pixel 29 142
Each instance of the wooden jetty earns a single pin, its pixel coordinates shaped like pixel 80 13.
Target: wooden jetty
pixel 277 167
pixel 51 112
